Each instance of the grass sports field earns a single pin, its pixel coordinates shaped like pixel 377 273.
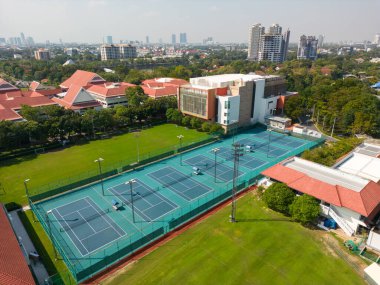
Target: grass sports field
pixel 263 248
pixel 79 159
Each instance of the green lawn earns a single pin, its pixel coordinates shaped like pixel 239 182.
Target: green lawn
pixel 263 248
pixel 78 160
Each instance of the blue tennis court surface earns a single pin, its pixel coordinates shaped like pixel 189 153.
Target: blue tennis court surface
pixel 207 165
pixel 87 225
pixel 147 203
pixel 180 183
pixel 91 235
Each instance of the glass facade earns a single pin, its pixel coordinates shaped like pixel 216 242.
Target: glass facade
pixel 194 101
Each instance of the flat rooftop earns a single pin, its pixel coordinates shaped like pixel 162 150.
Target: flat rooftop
pixel 224 80
pixel 369 149
pixel 363 162
pixel 326 174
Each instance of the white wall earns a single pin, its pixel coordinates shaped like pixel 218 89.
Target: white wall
pixel 374 240
pixel 262 106
pixel 352 218
pixel 232 114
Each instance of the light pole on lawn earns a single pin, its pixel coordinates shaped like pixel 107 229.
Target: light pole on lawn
pixel 26 188
pixel 99 161
pixel 130 182
pixel 215 150
pixel 49 229
pixel 180 137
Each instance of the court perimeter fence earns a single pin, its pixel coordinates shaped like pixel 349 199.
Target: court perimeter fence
pixel 60 186
pixel 148 231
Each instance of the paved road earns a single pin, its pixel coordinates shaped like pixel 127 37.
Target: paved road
pixel 38 268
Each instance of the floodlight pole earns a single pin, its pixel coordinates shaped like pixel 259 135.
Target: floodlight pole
pixel 215 150
pixel 130 182
pixel 238 151
pixel 180 137
pixel 234 130
pixel 50 234
pixel 99 160
pixel 270 136
pixel 26 188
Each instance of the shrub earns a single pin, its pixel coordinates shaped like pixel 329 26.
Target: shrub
pixel 279 197
pixel 305 209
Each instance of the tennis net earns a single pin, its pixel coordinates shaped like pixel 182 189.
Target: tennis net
pixel 73 224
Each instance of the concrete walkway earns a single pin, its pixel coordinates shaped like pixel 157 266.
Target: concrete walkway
pixel 38 268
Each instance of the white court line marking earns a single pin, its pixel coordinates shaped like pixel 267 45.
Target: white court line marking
pixel 86 222
pixel 72 202
pixel 103 217
pixel 153 193
pixel 126 217
pixel 80 252
pixel 165 213
pixel 74 211
pixel 172 188
pixel 87 237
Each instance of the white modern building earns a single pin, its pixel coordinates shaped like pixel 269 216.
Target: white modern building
pixel 230 99
pixel 271 45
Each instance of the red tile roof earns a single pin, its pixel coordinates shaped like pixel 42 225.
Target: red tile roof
pixel 106 91
pixel 14 269
pixel 10 102
pixel 68 101
pixel 34 85
pixel 365 202
pixel 82 78
pixel 6 86
pixel 159 87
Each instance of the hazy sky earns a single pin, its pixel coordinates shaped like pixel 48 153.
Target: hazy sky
pixel 225 21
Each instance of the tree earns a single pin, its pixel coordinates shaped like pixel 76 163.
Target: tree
pixel 279 197
pixel 135 96
pixel 206 126
pixel 305 209
pixel 216 129
pixel 195 123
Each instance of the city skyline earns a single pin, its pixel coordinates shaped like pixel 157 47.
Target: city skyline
pixel 230 20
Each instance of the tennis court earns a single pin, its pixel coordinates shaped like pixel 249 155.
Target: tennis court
pixel 207 165
pixel 148 204
pixel 181 184
pixel 91 235
pixel 87 225
pixel 247 160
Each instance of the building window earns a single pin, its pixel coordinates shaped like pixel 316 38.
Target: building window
pixel 227 105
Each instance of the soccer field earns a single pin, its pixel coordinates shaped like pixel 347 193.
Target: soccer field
pixel 78 160
pixel 264 247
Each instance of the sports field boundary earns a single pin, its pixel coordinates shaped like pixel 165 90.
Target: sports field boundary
pixel 144 251
pixel 114 173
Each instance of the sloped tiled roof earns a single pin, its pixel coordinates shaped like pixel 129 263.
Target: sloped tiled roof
pixel 365 202
pixel 106 90
pixel 77 98
pixel 14 269
pixel 82 78
pixel 10 102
